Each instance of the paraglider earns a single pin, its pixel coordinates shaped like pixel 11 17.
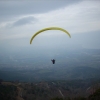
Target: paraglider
pixel 49 28
pixel 46 29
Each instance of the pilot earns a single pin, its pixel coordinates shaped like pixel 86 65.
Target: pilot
pixel 53 61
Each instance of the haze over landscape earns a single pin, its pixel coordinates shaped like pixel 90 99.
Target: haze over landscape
pixel 77 58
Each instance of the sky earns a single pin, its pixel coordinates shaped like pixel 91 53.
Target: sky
pixel 20 19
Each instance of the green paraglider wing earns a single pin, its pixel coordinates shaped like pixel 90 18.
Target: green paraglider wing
pixel 49 28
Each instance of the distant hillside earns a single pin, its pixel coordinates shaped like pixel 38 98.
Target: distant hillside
pixel 70 64
pixel 60 73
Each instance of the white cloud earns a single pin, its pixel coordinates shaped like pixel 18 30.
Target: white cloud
pixel 82 17
pixel 77 18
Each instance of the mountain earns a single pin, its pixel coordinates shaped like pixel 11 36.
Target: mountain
pixel 50 90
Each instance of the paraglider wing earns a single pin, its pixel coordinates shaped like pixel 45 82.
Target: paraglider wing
pixel 49 28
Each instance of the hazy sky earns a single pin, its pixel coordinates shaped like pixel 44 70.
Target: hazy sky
pixel 20 19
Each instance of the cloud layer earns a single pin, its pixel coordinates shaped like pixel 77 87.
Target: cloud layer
pixel 80 17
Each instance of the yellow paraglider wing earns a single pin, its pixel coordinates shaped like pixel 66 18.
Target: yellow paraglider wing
pixel 49 28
